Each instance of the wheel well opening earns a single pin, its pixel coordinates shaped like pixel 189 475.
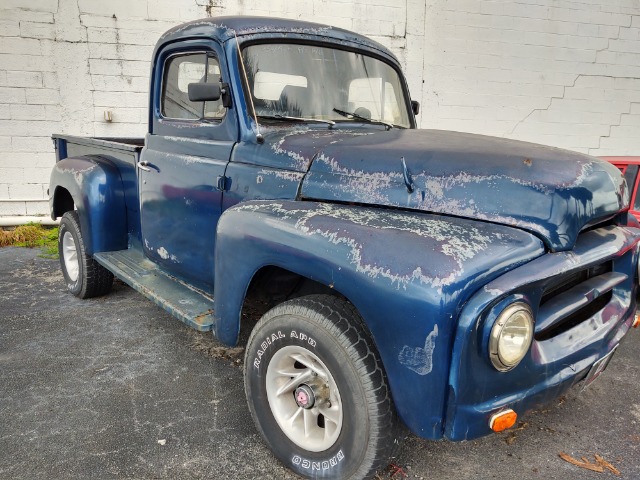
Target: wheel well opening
pixel 271 286
pixel 62 202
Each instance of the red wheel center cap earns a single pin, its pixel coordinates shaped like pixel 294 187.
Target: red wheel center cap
pixel 304 396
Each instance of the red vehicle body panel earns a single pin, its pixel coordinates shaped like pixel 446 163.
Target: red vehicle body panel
pixel 629 167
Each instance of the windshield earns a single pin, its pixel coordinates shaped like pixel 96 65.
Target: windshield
pixel 311 82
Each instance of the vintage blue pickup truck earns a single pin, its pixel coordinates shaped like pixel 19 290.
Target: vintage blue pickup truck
pixel 442 281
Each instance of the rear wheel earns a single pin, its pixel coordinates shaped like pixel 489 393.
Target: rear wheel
pixel 317 390
pixel 85 277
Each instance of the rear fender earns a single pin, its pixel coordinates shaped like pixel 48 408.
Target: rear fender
pixel 94 183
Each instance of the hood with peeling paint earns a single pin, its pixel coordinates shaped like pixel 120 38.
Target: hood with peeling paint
pixel 551 192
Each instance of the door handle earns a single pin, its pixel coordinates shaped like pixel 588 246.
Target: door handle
pixel 144 165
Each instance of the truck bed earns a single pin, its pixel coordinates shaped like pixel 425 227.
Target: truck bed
pixel 123 154
pixel 119 148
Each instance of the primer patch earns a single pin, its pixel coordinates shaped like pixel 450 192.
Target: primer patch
pixel 420 359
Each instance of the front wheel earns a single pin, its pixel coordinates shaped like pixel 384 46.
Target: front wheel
pixel 85 277
pixel 317 390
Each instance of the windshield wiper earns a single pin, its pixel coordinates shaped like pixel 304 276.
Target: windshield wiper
pixel 364 119
pixel 331 123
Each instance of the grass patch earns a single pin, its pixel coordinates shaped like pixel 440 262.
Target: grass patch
pixel 30 236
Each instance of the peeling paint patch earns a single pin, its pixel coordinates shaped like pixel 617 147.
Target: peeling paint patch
pixel 300 144
pixel 283 175
pixel 456 242
pixel 189 140
pixel 420 359
pixel 554 193
pixel 191 25
pixel 165 255
pixel 186 159
pixel 162 252
pixel 79 168
pixel 372 186
pixel 300 160
pixel 496 292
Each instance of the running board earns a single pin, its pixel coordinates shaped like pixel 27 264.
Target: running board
pixel 141 274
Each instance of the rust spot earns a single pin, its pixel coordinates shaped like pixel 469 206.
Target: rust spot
pixel 202 318
pixel 527 162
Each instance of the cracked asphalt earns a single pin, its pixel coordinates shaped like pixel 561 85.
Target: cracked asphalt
pixel 115 387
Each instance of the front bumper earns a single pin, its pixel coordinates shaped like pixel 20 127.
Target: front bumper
pixel 574 328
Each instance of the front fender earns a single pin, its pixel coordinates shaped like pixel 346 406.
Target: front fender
pixel 407 273
pixel 94 183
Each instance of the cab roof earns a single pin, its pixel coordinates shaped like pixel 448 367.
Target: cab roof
pixel 250 27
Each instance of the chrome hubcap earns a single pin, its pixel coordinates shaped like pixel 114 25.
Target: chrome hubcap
pixel 70 256
pixel 304 398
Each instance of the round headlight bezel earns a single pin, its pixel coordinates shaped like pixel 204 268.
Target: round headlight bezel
pixel 504 320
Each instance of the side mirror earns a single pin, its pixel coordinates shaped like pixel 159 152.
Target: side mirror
pixel 415 106
pixel 204 92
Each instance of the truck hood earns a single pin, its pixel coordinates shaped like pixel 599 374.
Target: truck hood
pixel 551 192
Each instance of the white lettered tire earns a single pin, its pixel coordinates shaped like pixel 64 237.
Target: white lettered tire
pixel 317 390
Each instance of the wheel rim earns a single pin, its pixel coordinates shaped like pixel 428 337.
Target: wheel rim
pixel 304 398
pixel 70 256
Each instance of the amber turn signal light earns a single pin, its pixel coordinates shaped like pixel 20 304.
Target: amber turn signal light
pixel 502 420
pixel 636 321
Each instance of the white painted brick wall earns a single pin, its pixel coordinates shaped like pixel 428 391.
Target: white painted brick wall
pixel 559 72
pixel 546 71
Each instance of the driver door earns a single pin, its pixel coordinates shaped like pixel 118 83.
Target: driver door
pixel 185 157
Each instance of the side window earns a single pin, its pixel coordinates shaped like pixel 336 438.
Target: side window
pixel 179 72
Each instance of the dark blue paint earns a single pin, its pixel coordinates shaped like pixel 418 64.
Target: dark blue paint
pixel 250 28
pixel 349 249
pixel 468 224
pixel 119 159
pixel 180 206
pixel 292 146
pixel 552 365
pixel 545 190
pixel 225 130
pixel 95 186
pixel 253 182
pixel 180 201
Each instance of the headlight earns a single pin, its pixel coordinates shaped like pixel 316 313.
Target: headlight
pixel 511 336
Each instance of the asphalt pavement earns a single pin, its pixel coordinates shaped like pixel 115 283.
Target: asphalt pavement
pixel 115 387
